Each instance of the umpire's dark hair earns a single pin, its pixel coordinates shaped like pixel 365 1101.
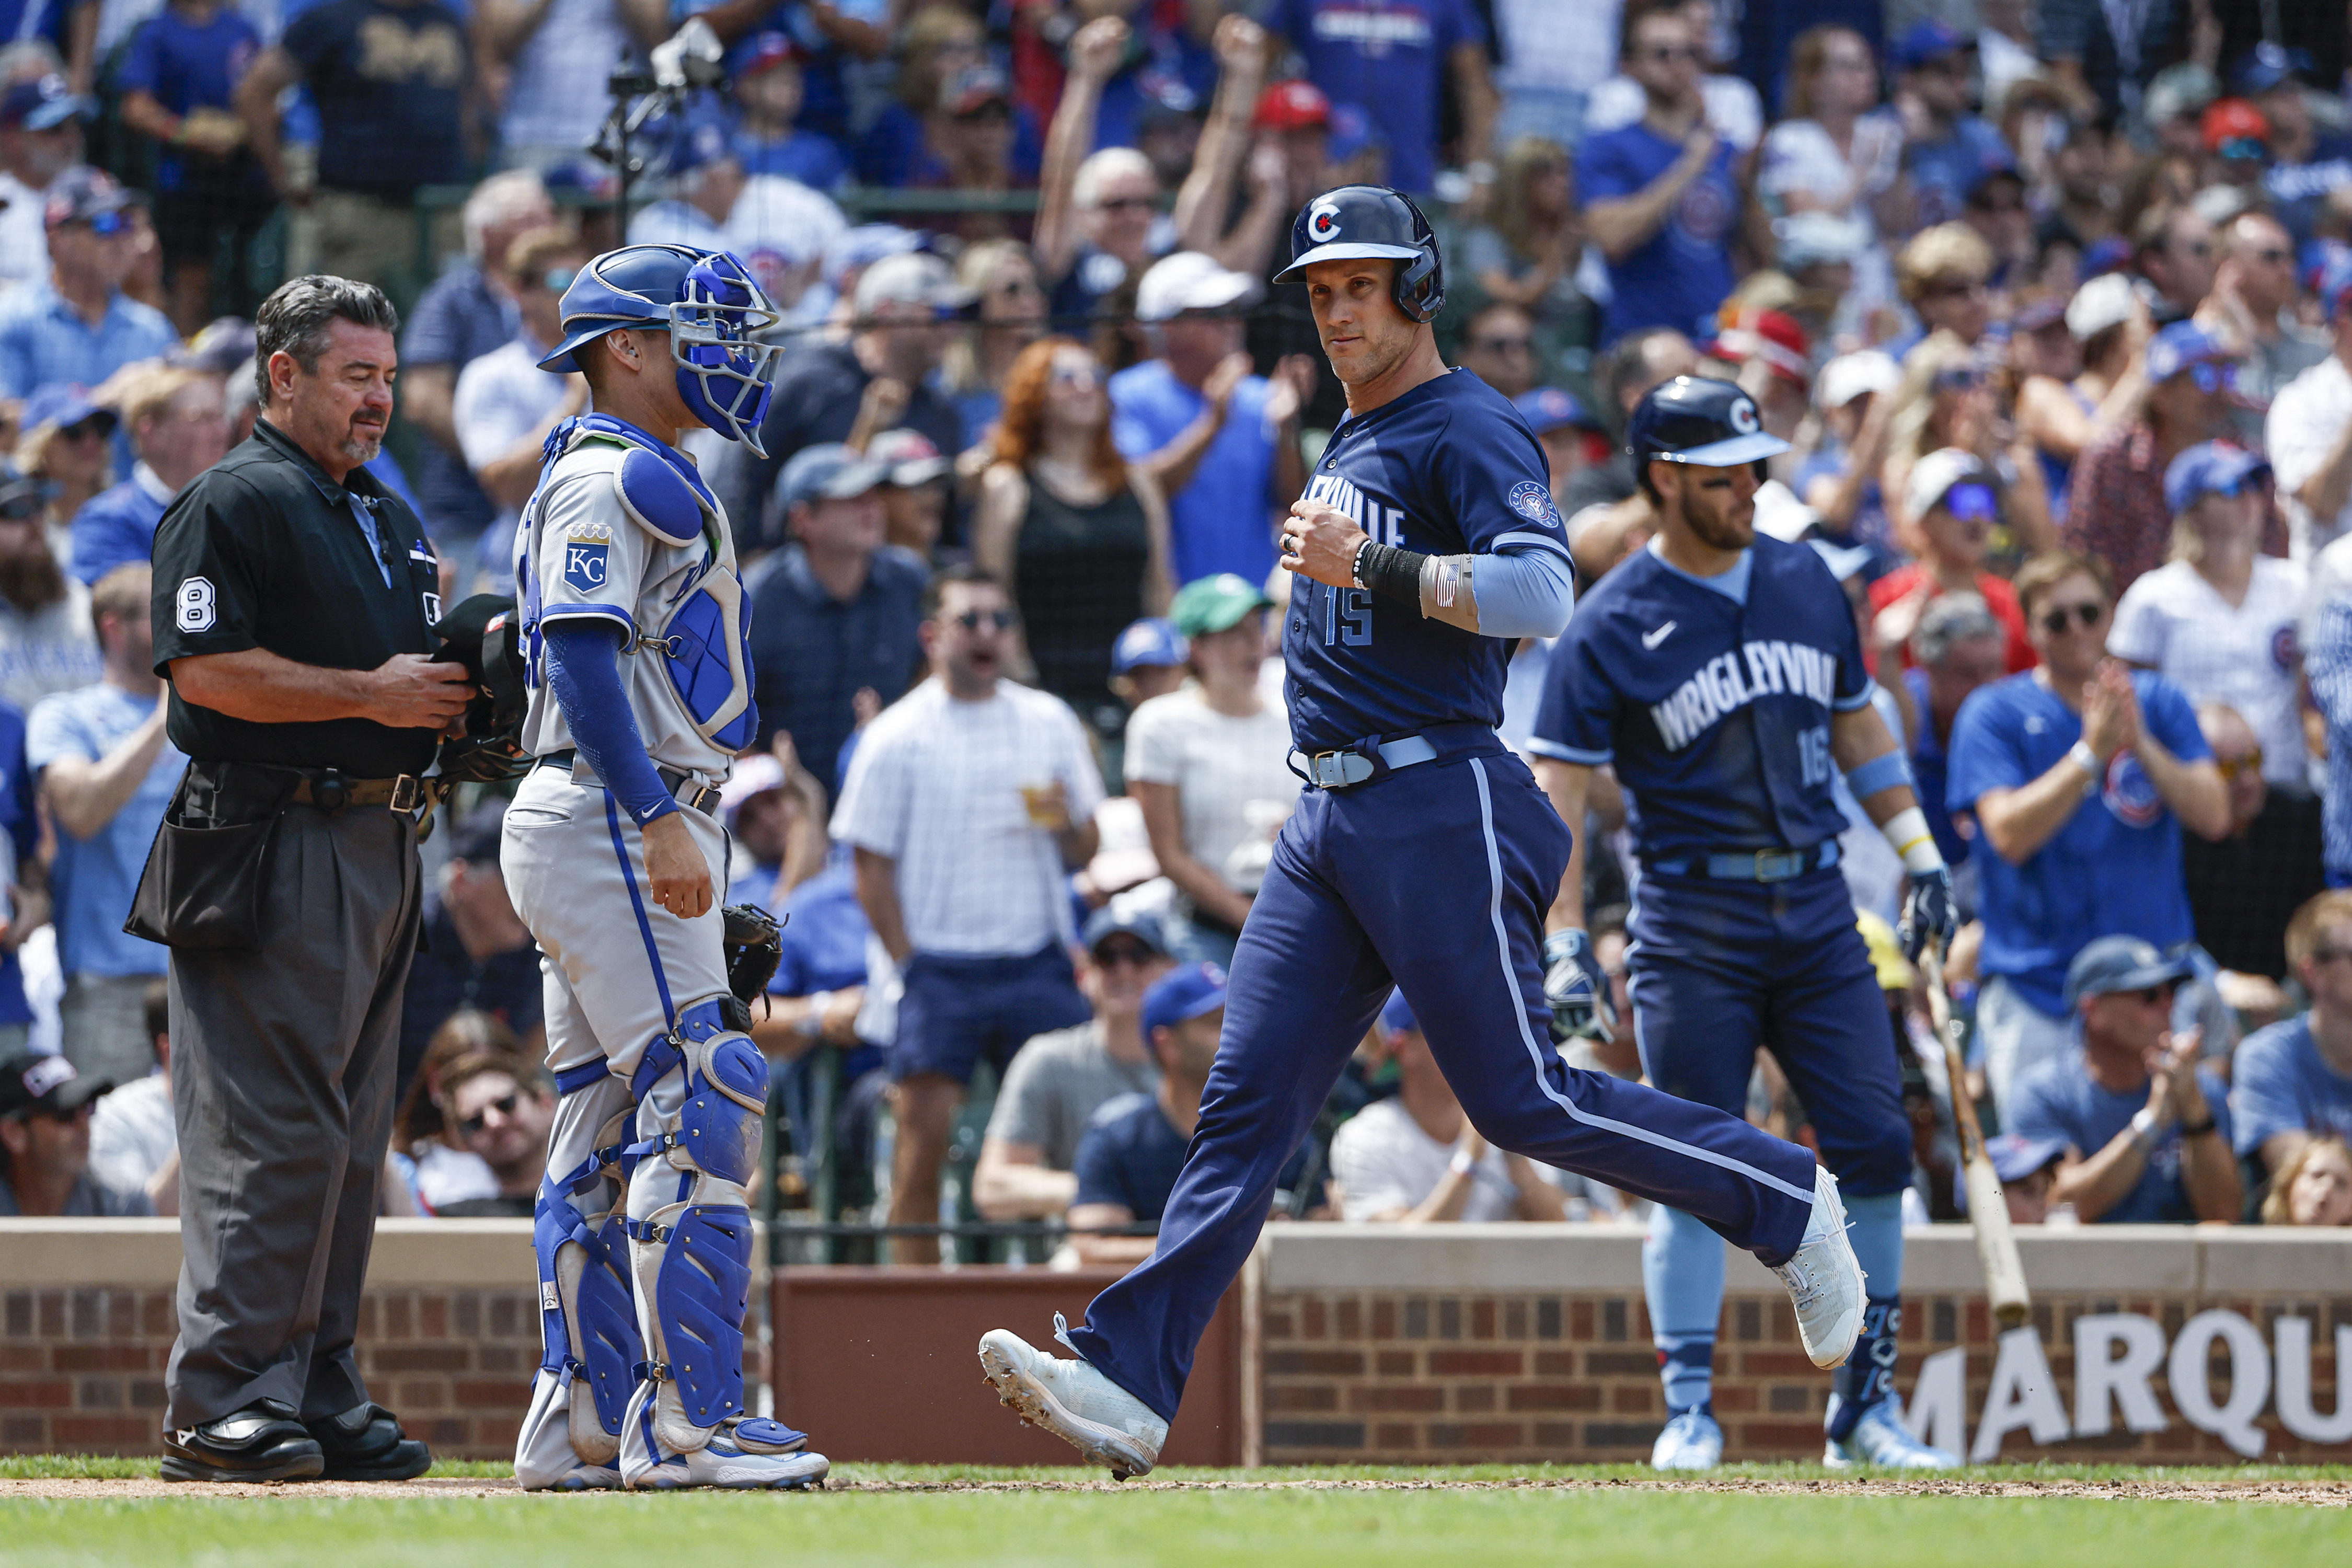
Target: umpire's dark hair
pixel 295 318
pixel 947 577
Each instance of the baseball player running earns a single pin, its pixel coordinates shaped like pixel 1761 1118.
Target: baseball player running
pixel 640 696
pixel 1721 672
pixel 1424 855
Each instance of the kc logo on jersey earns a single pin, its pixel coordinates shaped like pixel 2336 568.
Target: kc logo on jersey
pixel 587 554
pixel 1730 681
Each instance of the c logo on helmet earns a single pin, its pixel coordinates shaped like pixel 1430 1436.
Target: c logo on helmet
pixel 1323 222
pixel 1743 417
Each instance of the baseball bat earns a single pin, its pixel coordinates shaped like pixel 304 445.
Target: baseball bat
pixel 1988 1209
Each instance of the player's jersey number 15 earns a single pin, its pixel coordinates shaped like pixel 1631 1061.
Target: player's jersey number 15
pixel 1346 614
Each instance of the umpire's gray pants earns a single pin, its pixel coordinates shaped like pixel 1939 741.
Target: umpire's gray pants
pixel 283 1065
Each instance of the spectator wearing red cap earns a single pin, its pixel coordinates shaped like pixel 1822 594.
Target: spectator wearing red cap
pixel 2237 140
pixel 1399 67
pixel 770 89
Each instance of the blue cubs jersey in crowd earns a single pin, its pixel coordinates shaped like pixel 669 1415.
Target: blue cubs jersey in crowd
pixel 1713 698
pixel 1449 469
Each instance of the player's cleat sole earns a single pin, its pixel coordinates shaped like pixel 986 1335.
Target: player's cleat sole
pixel 1074 1401
pixel 1879 1441
pixel 1692 1441
pixel 1824 1280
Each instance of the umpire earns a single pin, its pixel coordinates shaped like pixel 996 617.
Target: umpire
pixel 292 597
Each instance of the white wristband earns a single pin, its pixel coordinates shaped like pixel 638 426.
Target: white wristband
pixel 1908 831
pixel 1462 1165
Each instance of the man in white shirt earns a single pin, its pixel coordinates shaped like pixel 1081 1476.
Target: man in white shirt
pixel 1416 1160
pixel 2309 433
pixel 505 404
pixel 134 1145
pixel 40 138
pixel 968 801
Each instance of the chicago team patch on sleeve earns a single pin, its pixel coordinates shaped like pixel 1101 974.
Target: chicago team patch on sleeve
pixel 587 556
pixel 1533 502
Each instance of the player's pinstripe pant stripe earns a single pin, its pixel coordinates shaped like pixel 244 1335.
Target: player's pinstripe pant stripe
pixel 1425 879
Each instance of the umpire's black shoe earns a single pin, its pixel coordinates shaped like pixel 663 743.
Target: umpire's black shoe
pixel 365 1444
pixel 262 1442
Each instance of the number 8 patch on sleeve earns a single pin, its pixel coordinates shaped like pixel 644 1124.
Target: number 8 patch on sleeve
pixel 195 601
pixel 587 554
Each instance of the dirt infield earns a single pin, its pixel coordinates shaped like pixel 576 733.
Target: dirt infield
pixel 2322 1494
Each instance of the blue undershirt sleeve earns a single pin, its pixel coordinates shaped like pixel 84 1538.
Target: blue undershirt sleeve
pixel 583 671
pixel 1526 592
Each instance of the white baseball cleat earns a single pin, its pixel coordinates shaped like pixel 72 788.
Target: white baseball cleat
pixel 1880 1440
pixel 1692 1441
pixel 1073 1401
pixel 1824 1278
pixel 579 1479
pixel 748 1453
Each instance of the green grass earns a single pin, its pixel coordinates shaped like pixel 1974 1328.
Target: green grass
pixel 1600 1527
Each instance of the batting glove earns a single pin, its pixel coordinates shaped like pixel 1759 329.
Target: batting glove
pixel 1581 1007
pixel 1927 913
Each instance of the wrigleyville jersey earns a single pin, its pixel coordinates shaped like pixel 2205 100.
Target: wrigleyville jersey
pixel 1449 469
pixel 1712 698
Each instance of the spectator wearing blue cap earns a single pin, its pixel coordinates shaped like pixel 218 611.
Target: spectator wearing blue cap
pixel 2078 776
pixel 392 80
pixel 41 122
pixel 2147 1130
pixel 2116 508
pixel 1414 1158
pixel 694 167
pixel 1208 765
pixel 1029 1155
pixel 2306 163
pixel 1134 1146
pixel 2308 431
pixel 834 612
pixel 2219 619
pixel 67 444
pixel 78 325
pixel 1150 659
pixel 1946 149
pixel 1572 437
pixel 2291 1082
pixel 2027 1167
pixel 47 643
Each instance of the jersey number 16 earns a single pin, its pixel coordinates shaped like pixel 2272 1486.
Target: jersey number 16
pixel 1813 753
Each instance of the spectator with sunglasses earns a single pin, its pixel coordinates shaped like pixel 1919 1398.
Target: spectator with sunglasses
pixel 45 1109
pixel 1028 1158
pixel 499 1108
pixel 2117 510
pixel 1955 502
pixel 68 446
pixel 1947 149
pixel 2147 1130
pixel 2219 620
pixel 505 406
pixel 1498 346
pixel 2077 776
pixel 78 325
pixel 2291 1082
pixel 968 803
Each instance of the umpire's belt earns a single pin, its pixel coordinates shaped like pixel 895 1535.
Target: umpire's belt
pixel 1378 756
pixel 330 790
pixel 688 790
pixel 1750 865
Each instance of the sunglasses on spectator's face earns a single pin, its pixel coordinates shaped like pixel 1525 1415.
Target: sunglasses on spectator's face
pixel 107 225
pixel 1080 376
pixel 1506 345
pixel 2273 258
pixel 973 620
pixel 2212 377
pixel 1953 288
pixel 2054 619
pixel 2151 995
pixel 559 278
pixel 93 429
pixel 2230 767
pixel 1666 54
pixel 504 1105
pixel 1134 954
pixel 1972 504
pixel 1962 379
pixel 20 508
pixel 994 109
pixel 2329 954
pixel 1125 204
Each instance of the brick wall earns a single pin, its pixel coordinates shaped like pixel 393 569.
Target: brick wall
pixel 1539 1348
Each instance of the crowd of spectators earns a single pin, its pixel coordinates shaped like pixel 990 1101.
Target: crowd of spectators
pixel 2058 319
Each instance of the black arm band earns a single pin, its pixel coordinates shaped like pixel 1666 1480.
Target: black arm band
pixel 1392 570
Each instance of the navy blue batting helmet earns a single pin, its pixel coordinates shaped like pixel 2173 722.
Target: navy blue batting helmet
pixel 1692 419
pixel 1358 221
pixel 712 310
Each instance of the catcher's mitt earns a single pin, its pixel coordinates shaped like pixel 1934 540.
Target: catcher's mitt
pixel 754 946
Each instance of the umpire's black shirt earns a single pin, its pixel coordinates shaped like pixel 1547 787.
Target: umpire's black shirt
pixel 263 550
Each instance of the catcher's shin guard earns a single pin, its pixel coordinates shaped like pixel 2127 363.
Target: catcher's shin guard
pixel 701 1091
pixel 587 1307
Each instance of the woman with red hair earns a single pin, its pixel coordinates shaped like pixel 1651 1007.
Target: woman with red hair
pixel 1081 537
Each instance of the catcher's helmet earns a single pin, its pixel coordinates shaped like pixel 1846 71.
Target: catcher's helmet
pixel 713 312
pixel 1691 419
pixel 1357 221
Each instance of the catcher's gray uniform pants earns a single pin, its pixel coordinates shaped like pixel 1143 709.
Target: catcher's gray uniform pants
pixel 283 1065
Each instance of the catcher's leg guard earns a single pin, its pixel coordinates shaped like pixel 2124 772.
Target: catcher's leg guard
pixel 702 1089
pixel 587 1311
